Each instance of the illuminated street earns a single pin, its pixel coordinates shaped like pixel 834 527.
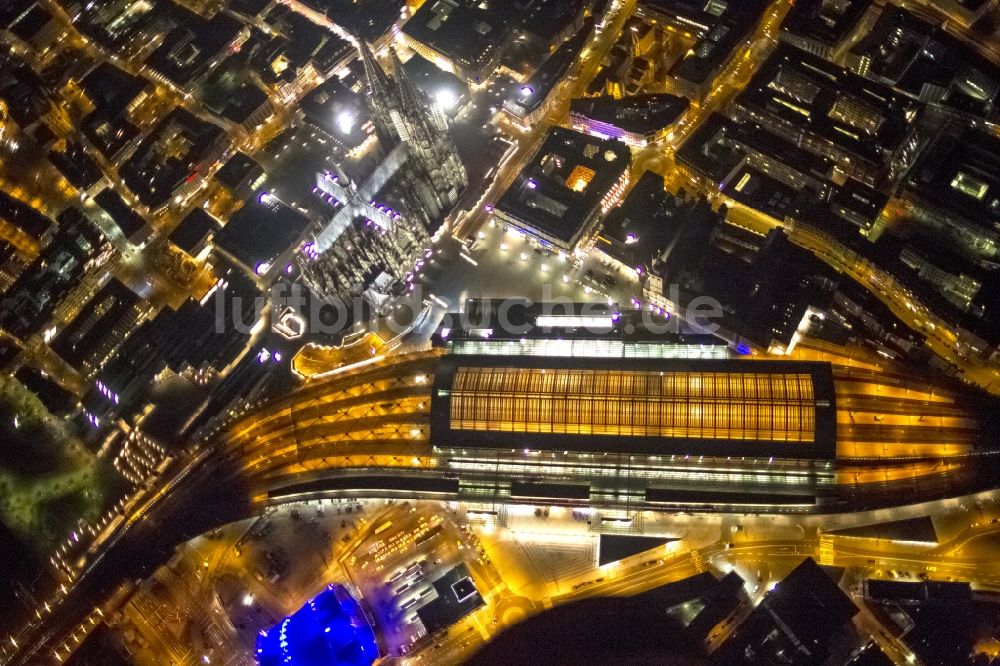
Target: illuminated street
pixel 434 332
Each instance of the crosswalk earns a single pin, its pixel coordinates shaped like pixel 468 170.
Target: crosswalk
pixel 826 550
pixel 698 561
pixel 561 561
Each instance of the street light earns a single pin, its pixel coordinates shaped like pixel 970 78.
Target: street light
pixel 345 122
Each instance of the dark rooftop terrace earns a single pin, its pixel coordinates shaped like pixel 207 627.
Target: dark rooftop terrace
pixel 193 229
pixel 112 89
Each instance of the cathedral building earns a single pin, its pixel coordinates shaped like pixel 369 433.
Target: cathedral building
pixel 385 222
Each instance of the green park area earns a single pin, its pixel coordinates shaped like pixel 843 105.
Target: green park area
pixel 48 479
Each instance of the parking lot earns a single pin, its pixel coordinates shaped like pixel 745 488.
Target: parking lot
pixel 404 551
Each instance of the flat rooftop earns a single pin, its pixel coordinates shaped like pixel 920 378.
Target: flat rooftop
pixel 713 407
pixel 567 179
pixel 457 596
pixel 169 156
pixel 719 42
pixel 193 229
pixel 112 89
pixel 527 98
pixel 487 324
pixel 338 108
pixel 24 217
pixel 824 21
pixel 188 49
pixel 124 216
pixel 372 18
pixel 260 231
pixel 237 169
pixel 909 53
pixel 652 224
pixel 88 331
pixel 857 115
pixel 960 175
pixel 467 32
pixel 641 114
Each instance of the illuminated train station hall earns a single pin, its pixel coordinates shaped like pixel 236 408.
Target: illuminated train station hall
pixel 621 421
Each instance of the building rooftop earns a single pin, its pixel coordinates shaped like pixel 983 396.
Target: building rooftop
pixel 693 15
pixel 125 218
pixel 236 170
pixel 796 623
pixel 651 224
pixel 260 231
pixel 871 655
pixel 917 57
pixel 197 335
pixel 192 44
pixel 330 629
pixel 709 151
pixel 119 23
pixel 246 100
pixel 546 19
pixel 639 114
pixel 640 406
pixel 719 27
pixel 614 547
pixel 76 165
pixel 824 21
pixel 112 89
pixel 524 99
pixel 904 592
pixel 580 632
pixel 88 331
pixel 13 9
pixel 567 179
pixel 805 92
pixel 56 399
pixel 173 154
pixel 760 191
pixel 919 529
pixel 372 19
pixel 960 174
pixel 25 93
pixel 194 229
pixel 30 23
pixel 456 597
pixel 468 32
pixel 767 296
pixel 773 175
pixel 440 86
pixel 28 303
pixel 28 220
pixel 300 38
pixel 338 107
pixel 109 132
pixel 250 8
pixel 568 330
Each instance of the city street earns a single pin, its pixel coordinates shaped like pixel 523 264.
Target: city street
pixel 535 563
pixel 339 481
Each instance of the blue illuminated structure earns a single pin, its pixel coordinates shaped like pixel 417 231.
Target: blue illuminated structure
pixel 330 630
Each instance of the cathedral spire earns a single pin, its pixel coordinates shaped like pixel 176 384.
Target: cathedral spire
pixel 412 97
pixel 407 92
pixel 379 86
